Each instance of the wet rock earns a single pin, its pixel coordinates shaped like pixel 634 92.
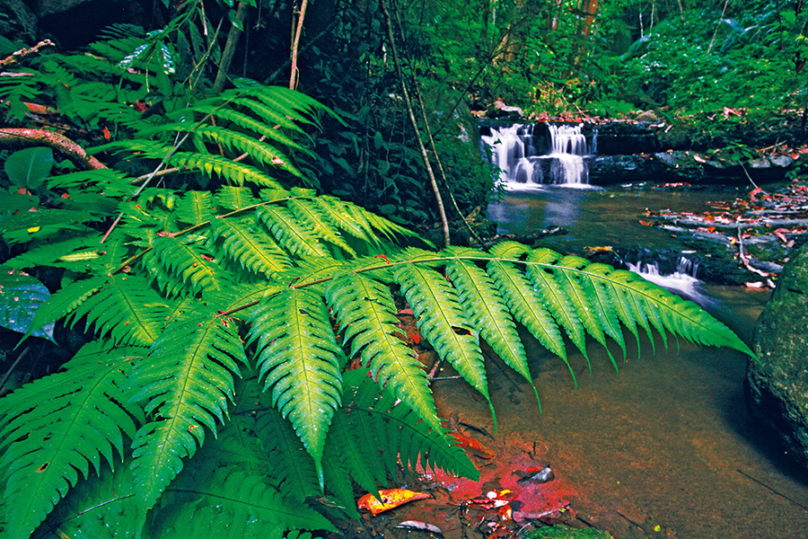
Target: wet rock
pixel 777 387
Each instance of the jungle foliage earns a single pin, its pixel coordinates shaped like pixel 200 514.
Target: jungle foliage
pixel 224 301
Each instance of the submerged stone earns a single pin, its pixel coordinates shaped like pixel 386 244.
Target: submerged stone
pixel 777 387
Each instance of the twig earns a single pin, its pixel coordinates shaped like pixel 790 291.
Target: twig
pixel 771 489
pixel 56 141
pixel 230 48
pixel 414 123
pixel 15 57
pixel 748 177
pixel 294 76
pixel 13 366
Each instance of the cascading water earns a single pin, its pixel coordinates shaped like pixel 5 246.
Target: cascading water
pixel 539 154
pixel 682 280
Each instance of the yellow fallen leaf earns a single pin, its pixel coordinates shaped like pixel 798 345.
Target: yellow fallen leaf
pixel 34 229
pixel 391 498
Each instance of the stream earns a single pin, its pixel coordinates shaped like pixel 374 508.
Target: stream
pixel 665 447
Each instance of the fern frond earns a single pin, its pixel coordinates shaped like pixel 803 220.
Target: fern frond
pixel 291 233
pixel 247 505
pixel 250 246
pixel 190 262
pixel 528 308
pixel 247 122
pixel 309 214
pixel 353 222
pixel 59 426
pixel 125 308
pixel 186 383
pixel 365 311
pixel 290 462
pixel 195 208
pixel 226 168
pixel 260 151
pixel 488 313
pixel 298 355
pixel 403 436
pixel 234 198
pixel 63 301
pixel 444 323
pixel 555 298
pixel 270 115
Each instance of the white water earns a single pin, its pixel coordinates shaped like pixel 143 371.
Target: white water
pixel 531 155
pixel 683 280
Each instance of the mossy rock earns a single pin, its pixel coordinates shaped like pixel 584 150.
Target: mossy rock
pixel 564 532
pixel 777 387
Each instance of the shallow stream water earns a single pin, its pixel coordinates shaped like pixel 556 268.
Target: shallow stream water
pixel 665 447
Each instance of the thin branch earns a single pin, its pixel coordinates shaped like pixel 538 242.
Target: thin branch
pixel 22 53
pixel 427 165
pixel 57 141
pixel 294 76
pixel 230 48
pixel 13 366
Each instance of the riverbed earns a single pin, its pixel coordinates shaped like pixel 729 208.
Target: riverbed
pixel 665 447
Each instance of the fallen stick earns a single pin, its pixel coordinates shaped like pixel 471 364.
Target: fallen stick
pixel 773 490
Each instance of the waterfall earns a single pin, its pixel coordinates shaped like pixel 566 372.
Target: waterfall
pixel 683 280
pixel 529 155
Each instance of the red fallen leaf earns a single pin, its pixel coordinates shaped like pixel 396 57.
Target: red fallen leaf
pixel 107 134
pixel 382 256
pixel 140 106
pixel 645 223
pixel 406 311
pixel 416 338
pixel 780 233
pixel 470 443
pixel 391 498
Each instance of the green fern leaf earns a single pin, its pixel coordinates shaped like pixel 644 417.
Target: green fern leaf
pixel 339 214
pixel 190 262
pixel 186 382
pixel 249 498
pixel 528 308
pixel 125 308
pixel 261 152
pixel 555 298
pixel 611 296
pixel 291 233
pixel 444 324
pixel 577 293
pixel 298 354
pixel 365 311
pixel 62 302
pixel 269 114
pixel 403 436
pixel 235 198
pixel 309 214
pixel 51 254
pixel 247 122
pixel 488 312
pixel 290 462
pixel 601 299
pixel 60 425
pixel 251 247
pixel 226 168
pixel 195 208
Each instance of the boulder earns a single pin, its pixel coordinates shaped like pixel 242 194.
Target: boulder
pixel 777 387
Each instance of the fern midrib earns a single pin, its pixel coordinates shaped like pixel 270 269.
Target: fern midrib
pixel 85 408
pixel 136 313
pixel 136 256
pixel 390 342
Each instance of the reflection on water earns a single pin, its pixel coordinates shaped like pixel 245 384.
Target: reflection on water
pixel 595 216
pixel 667 440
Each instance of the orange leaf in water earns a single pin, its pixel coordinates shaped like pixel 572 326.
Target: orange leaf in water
pixel 470 443
pixel 391 498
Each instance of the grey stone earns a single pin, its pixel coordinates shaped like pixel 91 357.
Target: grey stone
pixel 777 387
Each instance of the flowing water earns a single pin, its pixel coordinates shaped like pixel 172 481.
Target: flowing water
pixel 665 447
